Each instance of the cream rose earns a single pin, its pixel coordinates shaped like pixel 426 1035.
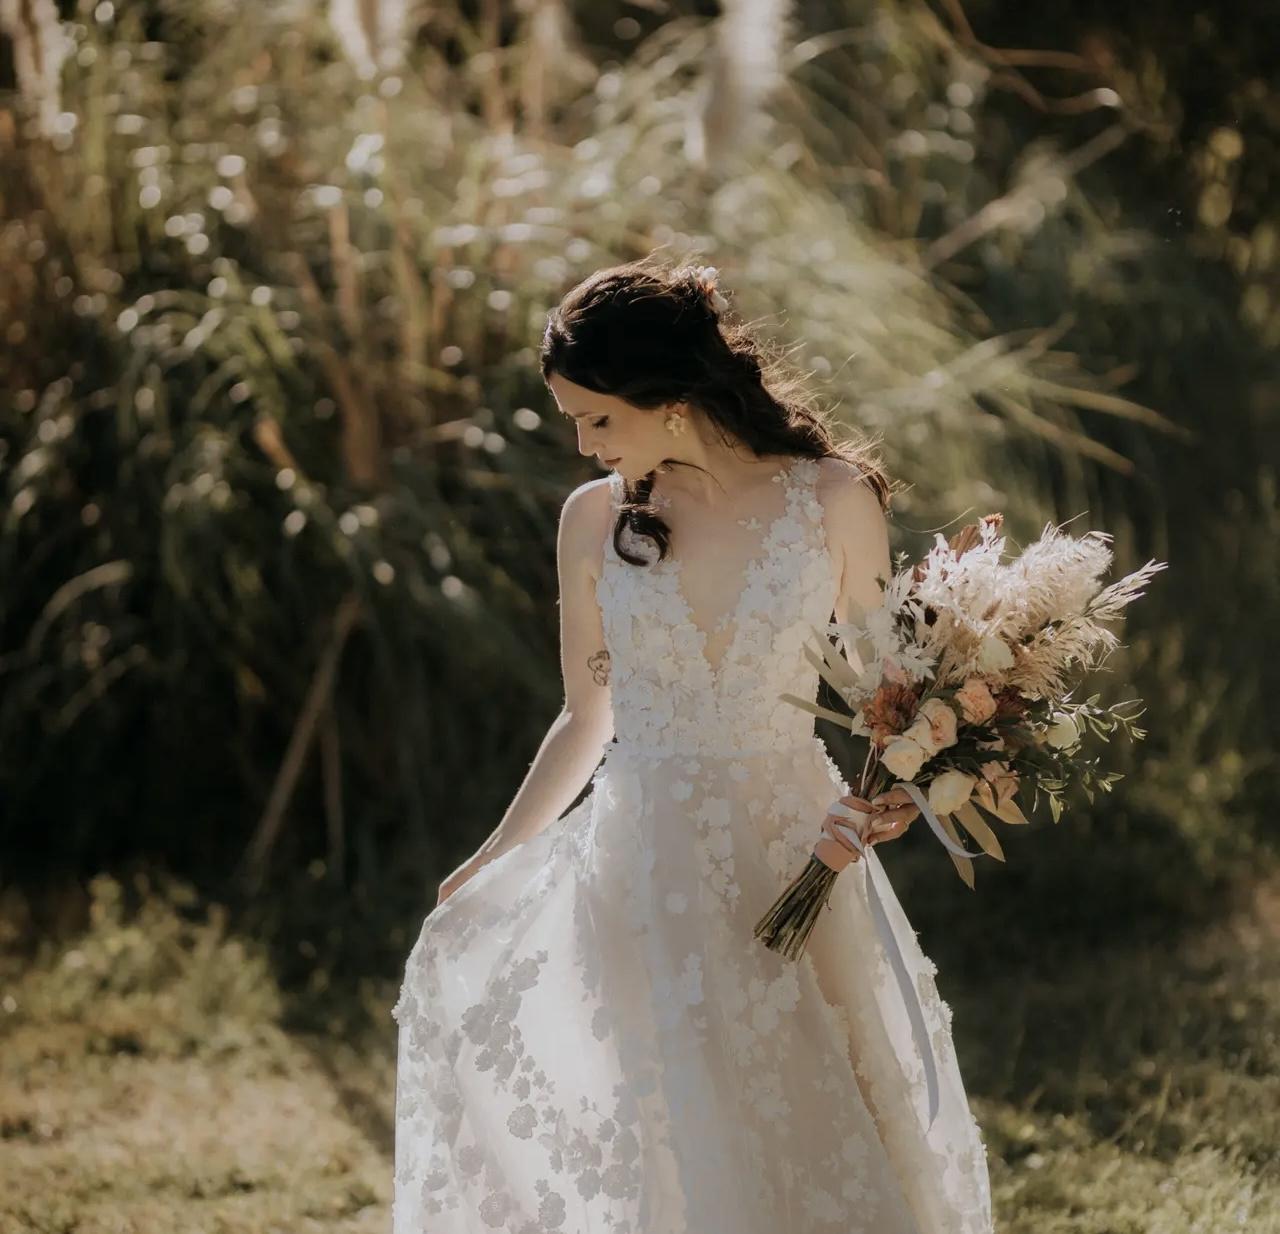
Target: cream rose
pixel 934 727
pixel 975 701
pixel 994 654
pixel 904 758
pixel 949 791
pixel 1062 734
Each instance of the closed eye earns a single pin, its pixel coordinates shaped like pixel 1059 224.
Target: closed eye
pixel 600 423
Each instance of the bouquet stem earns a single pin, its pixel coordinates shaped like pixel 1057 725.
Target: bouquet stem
pixel 787 925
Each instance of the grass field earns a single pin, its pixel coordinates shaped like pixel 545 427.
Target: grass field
pixel 163 1069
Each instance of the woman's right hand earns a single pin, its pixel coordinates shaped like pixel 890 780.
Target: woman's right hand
pixel 466 871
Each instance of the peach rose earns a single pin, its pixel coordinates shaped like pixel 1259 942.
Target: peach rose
pixel 975 701
pixel 934 727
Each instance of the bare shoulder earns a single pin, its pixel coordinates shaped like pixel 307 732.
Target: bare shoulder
pixel 587 506
pixel 584 521
pixel 847 497
pixel 858 533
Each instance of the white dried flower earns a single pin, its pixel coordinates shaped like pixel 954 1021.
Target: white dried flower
pixel 706 277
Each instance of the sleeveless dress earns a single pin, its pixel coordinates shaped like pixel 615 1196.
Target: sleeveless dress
pixel 590 1037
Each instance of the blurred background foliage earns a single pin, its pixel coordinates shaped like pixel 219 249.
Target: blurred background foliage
pixel 279 490
pixel 279 484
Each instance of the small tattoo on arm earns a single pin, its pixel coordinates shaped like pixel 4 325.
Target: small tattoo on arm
pixel 599 666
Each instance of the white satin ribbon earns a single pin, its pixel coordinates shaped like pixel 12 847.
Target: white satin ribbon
pixel 888 940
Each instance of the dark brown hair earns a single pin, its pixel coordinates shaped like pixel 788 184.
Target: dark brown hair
pixel 652 335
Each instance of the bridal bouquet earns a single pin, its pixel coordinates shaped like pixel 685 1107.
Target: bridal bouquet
pixel 962 679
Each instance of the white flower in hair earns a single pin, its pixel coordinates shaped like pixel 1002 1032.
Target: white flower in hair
pixel 706 277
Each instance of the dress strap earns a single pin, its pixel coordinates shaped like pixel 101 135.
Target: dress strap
pixel 615 504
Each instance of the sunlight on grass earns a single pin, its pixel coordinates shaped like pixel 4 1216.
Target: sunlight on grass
pixel 147 1085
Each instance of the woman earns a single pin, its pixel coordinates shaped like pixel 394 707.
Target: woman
pixel 591 1038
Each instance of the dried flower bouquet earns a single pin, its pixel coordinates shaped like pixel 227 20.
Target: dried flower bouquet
pixel 962 680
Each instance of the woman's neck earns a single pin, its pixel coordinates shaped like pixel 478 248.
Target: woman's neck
pixel 725 473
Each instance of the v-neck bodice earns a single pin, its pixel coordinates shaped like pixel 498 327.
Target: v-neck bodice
pixel 752 546
pixel 669 696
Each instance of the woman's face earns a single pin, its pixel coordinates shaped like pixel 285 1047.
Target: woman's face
pixel 630 440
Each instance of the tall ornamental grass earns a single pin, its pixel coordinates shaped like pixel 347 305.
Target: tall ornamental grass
pixel 278 482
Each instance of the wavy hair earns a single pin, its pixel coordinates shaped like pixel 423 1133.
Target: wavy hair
pixel 652 334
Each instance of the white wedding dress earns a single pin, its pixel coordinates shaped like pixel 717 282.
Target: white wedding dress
pixel 592 1040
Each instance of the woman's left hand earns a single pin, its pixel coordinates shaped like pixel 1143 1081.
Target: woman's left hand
pixel 884 817
pixel 894 813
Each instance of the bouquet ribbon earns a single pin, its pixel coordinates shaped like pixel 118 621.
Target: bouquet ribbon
pixel 889 941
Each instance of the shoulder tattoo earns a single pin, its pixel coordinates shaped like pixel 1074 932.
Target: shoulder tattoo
pixel 599 666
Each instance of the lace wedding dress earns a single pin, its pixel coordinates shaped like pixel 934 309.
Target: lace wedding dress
pixel 592 1040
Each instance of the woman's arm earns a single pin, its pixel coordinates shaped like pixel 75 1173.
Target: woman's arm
pixel 858 534
pixel 572 747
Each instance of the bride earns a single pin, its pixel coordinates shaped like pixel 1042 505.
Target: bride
pixel 591 1039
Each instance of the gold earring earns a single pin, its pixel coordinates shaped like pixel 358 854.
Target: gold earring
pixel 675 423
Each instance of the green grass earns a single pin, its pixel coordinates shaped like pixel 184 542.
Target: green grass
pixel 148 1083
pixel 168 1066
pixel 1135 1091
